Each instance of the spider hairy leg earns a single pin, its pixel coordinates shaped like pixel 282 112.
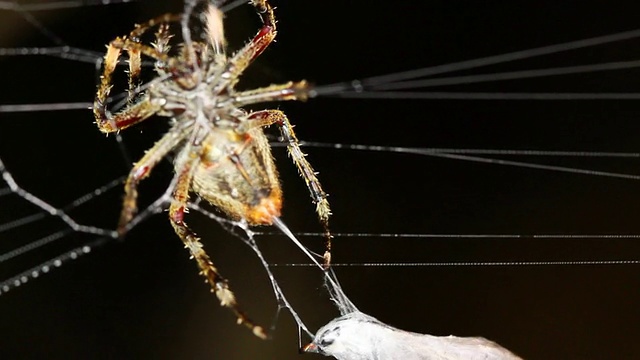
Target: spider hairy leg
pixel 141 170
pixel 265 10
pixel 140 29
pixel 291 91
pixel 280 92
pixel 189 159
pixel 135 63
pixel 132 114
pixel 162 45
pixel 141 111
pixel 268 117
pixel 247 54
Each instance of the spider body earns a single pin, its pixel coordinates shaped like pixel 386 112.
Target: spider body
pixel 222 153
pixel 237 174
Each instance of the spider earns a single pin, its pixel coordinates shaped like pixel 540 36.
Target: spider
pixel 222 153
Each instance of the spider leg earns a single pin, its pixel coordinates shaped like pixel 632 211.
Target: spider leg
pixel 140 29
pixel 161 37
pixel 135 112
pixel 131 114
pixel 280 92
pixel 264 37
pixel 135 65
pixel 162 45
pixel 140 171
pixel 268 117
pixel 219 285
pixel 245 56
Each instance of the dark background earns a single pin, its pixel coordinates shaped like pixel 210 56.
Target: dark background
pixel 142 298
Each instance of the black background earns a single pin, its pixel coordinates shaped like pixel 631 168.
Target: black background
pixel 142 298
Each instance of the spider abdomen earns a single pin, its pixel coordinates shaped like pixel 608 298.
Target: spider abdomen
pixel 237 174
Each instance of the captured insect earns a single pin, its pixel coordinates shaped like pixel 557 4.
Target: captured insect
pixel 358 336
pixel 221 151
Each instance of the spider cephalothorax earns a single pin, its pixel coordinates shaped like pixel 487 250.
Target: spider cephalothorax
pixel 222 153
